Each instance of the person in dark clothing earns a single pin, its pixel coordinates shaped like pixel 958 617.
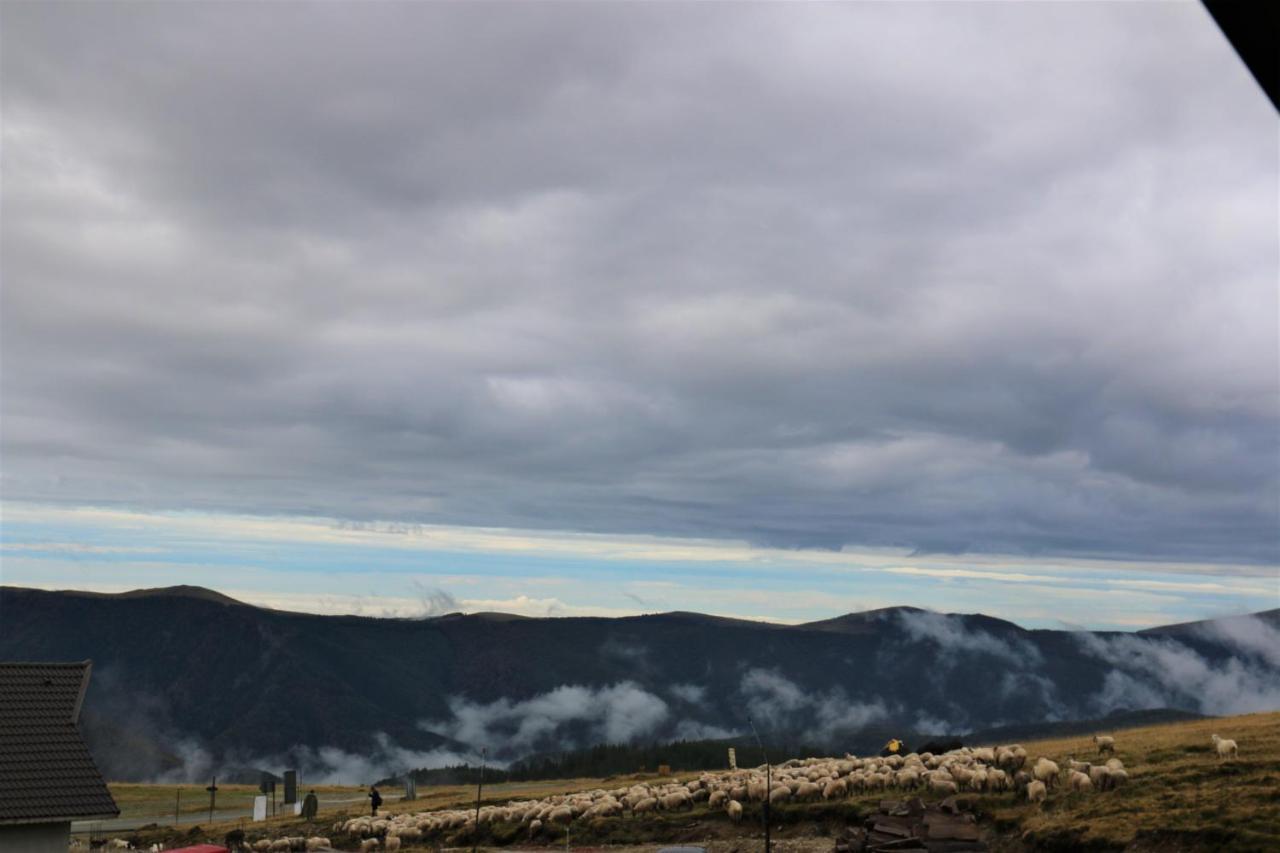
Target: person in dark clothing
pixel 310 805
pixel 375 799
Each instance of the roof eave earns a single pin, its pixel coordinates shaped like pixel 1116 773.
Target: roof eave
pixel 16 821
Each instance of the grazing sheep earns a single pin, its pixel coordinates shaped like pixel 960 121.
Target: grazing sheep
pixel 943 786
pixel 316 842
pixel 807 791
pixel 1082 766
pixel 734 809
pixel 262 845
pixel 835 789
pixel 1046 771
pixel 648 804
pixel 1078 781
pixel 280 845
pixel 1115 764
pixel 1226 748
pixel 1036 792
pixel 368 844
pixel 391 843
pixel 677 800
pixel 1116 778
pixel 717 799
pixel 535 826
pixel 1100 776
pixel 779 795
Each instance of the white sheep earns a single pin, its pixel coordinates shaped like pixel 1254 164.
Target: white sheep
pixel 1036 792
pixel 1078 781
pixel 316 842
pixel 368 845
pixel 734 809
pixel 1046 771
pixel 1226 748
pixel 1105 743
pixel 943 786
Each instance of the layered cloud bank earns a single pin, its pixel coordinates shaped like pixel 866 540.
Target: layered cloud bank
pixel 705 271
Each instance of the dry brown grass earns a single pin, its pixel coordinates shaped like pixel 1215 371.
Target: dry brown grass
pixel 1179 796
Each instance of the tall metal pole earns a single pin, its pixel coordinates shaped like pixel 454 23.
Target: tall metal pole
pixel 475 839
pixel 213 795
pixel 768 786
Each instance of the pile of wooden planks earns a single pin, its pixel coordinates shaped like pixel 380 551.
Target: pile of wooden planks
pixel 911 825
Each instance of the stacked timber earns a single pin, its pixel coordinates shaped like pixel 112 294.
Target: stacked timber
pixel 910 825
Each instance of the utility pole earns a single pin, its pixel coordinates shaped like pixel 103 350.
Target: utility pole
pixel 475 839
pixel 768 786
pixel 177 806
pixel 213 796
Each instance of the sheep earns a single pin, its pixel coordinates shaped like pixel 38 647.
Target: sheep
pixel 1082 766
pixel 535 826
pixel 1106 744
pixel 1016 759
pixel 779 794
pixel 717 799
pixel 317 842
pixel 262 845
pixel 562 815
pixel 1078 781
pixel 280 845
pixel 1116 778
pixel 1100 776
pixel 943 786
pixel 1226 748
pixel 391 843
pixel 835 789
pixel 1046 771
pixel 734 809
pixel 648 804
pixel 679 799
pixel 807 791
pixel 1036 792
pixel 368 845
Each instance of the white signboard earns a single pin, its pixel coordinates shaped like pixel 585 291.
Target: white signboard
pixel 260 807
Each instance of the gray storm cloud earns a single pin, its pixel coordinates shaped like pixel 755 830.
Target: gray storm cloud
pixel 948 278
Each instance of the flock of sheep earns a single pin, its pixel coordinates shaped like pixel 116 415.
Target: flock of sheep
pixel 981 769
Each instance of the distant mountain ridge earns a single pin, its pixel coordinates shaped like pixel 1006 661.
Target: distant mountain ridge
pixel 187 679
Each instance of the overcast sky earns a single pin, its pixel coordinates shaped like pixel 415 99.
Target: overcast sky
pixel 936 280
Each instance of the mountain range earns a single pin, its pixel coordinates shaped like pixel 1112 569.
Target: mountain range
pixel 187 681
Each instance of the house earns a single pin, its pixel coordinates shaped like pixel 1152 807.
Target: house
pixel 47 776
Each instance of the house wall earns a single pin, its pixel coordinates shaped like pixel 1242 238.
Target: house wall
pixel 35 838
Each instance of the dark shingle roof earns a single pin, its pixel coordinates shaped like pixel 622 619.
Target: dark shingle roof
pixel 46 771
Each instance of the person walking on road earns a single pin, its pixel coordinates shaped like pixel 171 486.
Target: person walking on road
pixel 375 799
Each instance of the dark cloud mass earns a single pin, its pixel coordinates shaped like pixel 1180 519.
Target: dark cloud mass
pixel 961 277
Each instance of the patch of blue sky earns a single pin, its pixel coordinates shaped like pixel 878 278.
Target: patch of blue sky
pixel 354 567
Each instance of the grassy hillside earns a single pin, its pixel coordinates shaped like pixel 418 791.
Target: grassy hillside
pixel 1180 798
